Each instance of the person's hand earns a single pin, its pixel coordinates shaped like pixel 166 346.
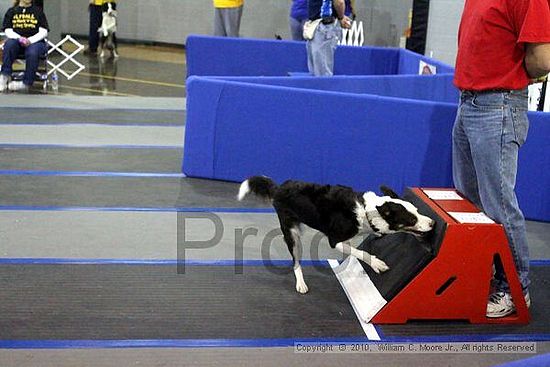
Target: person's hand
pixel 345 22
pixel 23 41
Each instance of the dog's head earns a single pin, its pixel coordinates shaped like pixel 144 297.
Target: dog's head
pixel 390 214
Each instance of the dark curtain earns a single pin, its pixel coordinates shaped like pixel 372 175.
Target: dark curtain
pixel 39 3
pixel 419 28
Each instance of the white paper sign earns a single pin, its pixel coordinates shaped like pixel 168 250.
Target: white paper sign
pixel 471 217
pixel 443 195
pixel 426 69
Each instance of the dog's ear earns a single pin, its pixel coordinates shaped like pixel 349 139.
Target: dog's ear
pixel 389 192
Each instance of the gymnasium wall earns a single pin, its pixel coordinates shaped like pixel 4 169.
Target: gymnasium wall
pixel 443 21
pixel 171 21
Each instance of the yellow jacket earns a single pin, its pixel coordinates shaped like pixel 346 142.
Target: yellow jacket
pixel 101 2
pixel 228 3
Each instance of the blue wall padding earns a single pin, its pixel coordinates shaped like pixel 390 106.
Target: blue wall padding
pixel 409 63
pixel 327 137
pixel 350 60
pixel 537 361
pixel 437 88
pixel 222 56
pixel 533 181
pixel 243 57
pixel 236 129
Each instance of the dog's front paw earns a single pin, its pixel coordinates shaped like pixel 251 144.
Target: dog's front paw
pixel 378 265
pixel 301 287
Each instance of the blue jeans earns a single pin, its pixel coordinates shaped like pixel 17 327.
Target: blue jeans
pixel 296 28
pixel 490 128
pixel 33 53
pixel 320 50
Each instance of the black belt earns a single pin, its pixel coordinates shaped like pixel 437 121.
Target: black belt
pixel 328 20
pixel 485 91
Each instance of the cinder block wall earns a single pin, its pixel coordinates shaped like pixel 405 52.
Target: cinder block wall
pixel 171 21
pixel 441 42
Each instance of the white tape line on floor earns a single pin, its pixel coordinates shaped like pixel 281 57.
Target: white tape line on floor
pixel 362 294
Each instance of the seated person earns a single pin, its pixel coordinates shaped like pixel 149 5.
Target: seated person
pixel 26 28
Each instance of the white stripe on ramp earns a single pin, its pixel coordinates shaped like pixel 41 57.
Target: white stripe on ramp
pixel 362 294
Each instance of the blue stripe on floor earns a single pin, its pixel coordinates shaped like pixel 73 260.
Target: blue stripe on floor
pixel 89 174
pixel 187 262
pixel 59 261
pixel 172 343
pixel 466 338
pixel 135 209
pixel 262 343
pixel 540 262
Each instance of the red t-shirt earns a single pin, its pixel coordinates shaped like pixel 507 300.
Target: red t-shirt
pixel 491 42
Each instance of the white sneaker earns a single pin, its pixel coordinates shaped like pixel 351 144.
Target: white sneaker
pixel 501 304
pixel 115 54
pixel 18 86
pixel 4 80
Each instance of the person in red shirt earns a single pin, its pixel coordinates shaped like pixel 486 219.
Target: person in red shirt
pixel 502 45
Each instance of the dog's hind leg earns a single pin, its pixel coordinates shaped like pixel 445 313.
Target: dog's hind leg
pixel 291 236
pixel 375 263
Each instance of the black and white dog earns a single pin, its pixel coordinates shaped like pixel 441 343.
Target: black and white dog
pixel 338 212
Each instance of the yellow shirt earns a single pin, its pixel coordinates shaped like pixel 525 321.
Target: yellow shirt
pixel 228 3
pixel 101 2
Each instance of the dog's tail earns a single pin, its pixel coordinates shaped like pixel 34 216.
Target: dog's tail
pixel 260 186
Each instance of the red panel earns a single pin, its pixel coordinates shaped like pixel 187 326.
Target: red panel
pixel 461 274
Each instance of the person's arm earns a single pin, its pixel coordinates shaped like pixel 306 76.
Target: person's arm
pixel 7 25
pixel 42 33
pixel 340 7
pixel 537 59
pixel 11 34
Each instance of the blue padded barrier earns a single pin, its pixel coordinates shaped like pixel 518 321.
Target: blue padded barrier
pixel 437 88
pixel 235 130
pixel 536 361
pixel 409 63
pixel 290 128
pixel 222 56
pixel 243 57
pixel 533 181
pixel 350 60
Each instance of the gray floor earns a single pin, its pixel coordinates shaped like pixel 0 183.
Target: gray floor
pixel 107 116
pixel 92 159
pixel 92 103
pixel 144 235
pixel 77 228
pixel 153 235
